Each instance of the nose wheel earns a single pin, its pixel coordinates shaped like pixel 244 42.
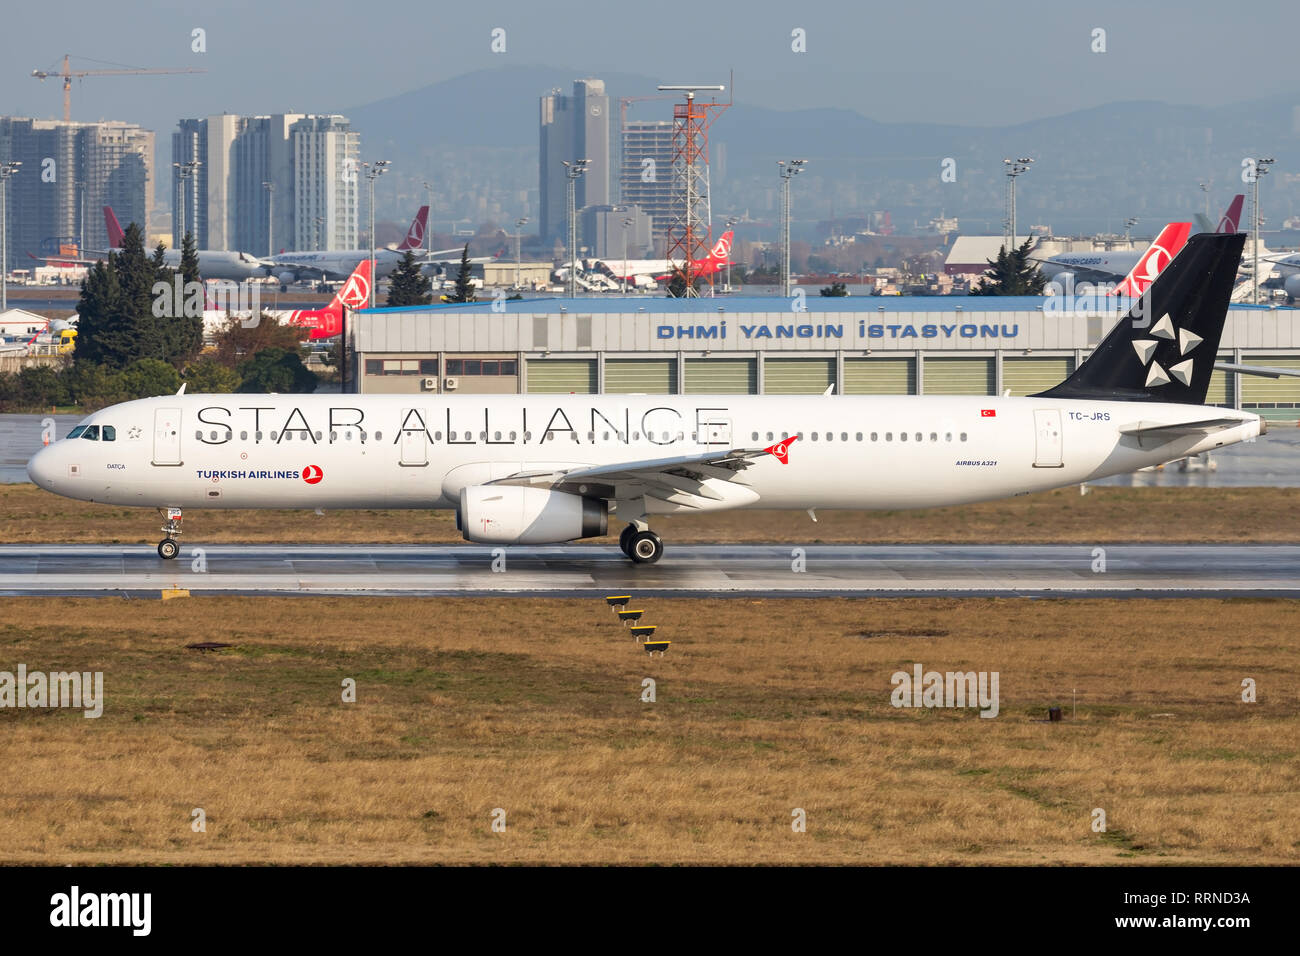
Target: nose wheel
pixel 642 546
pixel 169 547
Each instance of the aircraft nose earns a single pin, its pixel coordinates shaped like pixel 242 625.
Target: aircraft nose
pixel 40 469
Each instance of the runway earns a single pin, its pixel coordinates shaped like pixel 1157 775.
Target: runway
pixel 685 571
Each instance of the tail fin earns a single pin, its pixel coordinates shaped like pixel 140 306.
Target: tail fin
pixel 1158 255
pixel 415 235
pixel 1171 358
pixel 114 228
pixel 1232 217
pixel 721 250
pixel 327 322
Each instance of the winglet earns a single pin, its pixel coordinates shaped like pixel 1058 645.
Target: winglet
pixel 781 450
pixel 181 390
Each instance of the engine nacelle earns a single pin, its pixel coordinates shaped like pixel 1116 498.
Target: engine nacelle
pixel 287 278
pixel 1292 286
pixel 510 514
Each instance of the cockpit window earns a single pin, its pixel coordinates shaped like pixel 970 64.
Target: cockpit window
pixel 76 432
pixel 91 433
pixel 109 433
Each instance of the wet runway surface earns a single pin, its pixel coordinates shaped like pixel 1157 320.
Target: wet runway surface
pixel 685 571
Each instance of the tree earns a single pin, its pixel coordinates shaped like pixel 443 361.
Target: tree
pixel 209 377
pixel 276 370
pixel 235 342
pixel 408 285
pixel 464 288
pixel 834 289
pixel 1012 274
pixel 145 378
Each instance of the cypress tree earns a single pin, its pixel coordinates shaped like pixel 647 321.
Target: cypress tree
pixel 408 285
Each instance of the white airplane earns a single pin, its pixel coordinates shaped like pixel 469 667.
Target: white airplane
pixel 338 264
pixel 648 273
pixel 213 263
pixel 536 469
pixel 1116 266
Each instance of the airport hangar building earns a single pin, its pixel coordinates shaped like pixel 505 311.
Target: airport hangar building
pixel 880 345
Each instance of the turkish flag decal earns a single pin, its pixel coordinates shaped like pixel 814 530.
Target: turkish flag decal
pixel 988 413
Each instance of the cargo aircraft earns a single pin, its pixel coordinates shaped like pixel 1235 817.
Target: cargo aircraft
pixel 541 469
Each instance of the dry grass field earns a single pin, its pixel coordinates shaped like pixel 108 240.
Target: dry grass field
pixel 468 705
pixel 1211 515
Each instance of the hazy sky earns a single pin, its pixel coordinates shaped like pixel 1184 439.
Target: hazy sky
pixel 962 62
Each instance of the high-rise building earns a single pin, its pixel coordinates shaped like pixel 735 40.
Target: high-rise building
pixel 573 127
pixel 326 182
pixel 646 176
pixel 69 171
pixel 245 193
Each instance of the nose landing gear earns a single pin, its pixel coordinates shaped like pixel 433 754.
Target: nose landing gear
pixel 169 547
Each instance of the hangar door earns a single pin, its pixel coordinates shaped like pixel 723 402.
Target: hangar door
pixel 1257 391
pixel 797 376
pixel 648 376
pixel 721 376
pixel 958 376
pixel 561 376
pixel 1027 376
pixel 1220 391
pixel 880 376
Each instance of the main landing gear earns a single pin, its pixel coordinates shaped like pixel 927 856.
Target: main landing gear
pixel 641 544
pixel 169 547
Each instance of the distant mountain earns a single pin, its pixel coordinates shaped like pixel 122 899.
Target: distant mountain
pixel 1093 167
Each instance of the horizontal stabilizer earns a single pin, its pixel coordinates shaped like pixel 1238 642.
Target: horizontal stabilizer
pixel 1150 434
pixel 1267 371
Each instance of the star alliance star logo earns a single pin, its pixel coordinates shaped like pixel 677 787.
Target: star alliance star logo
pixel 133 433
pixel 1146 348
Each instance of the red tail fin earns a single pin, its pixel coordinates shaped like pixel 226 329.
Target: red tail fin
pixel 721 250
pixel 1232 218
pixel 1168 244
pixel 415 235
pixel 328 322
pixel 114 228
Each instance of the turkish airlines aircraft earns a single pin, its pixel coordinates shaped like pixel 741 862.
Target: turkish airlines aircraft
pixel 324 323
pixel 336 264
pixel 647 272
pixel 1116 266
pixel 536 469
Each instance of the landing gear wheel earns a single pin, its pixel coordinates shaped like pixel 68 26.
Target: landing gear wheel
pixel 645 547
pixel 625 539
pixel 168 549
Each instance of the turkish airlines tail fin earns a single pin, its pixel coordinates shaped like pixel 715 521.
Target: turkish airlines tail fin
pixel 415 235
pixel 1164 349
pixel 114 228
pixel 327 322
pixel 1232 217
pixel 1166 245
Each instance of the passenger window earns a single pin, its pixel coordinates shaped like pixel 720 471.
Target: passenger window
pixel 902 436
pixel 258 436
pixel 361 434
pixel 769 436
pixel 243 436
pixel 334 436
pixel 963 436
pixel 379 436
pixel 451 436
pixel 286 436
pixel 844 436
pixel 918 436
pixel 318 436
pixel 528 436
pixel 482 436
pixel 948 437
pixel 934 436
pixel 755 438
pixel 591 436
pixel 496 436
pixel 437 436
pixel 212 435
pixel 859 436
pixel 110 433
pixel 606 434
pixel 91 433
pixel 512 435
pixel 889 436
pixel 273 436
pixel 197 434
pixel 873 435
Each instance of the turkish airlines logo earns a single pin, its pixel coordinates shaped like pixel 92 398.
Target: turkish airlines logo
pixel 1227 224
pixel 781 450
pixel 356 292
pixel 1152 264
pixel 415 235
pixel 312 474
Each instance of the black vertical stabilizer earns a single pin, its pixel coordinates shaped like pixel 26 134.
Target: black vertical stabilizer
pixel 1164 349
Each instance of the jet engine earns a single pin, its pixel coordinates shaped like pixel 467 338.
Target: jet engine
pixel 1292 286
pixel 510 514
pixel 286 278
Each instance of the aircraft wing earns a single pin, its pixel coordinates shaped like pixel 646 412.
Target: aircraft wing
pixel 679 478
pixel 1264 370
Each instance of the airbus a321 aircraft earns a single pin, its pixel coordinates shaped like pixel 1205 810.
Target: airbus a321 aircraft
pixel 536 469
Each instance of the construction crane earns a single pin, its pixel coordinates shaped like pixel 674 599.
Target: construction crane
pixel 67 73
